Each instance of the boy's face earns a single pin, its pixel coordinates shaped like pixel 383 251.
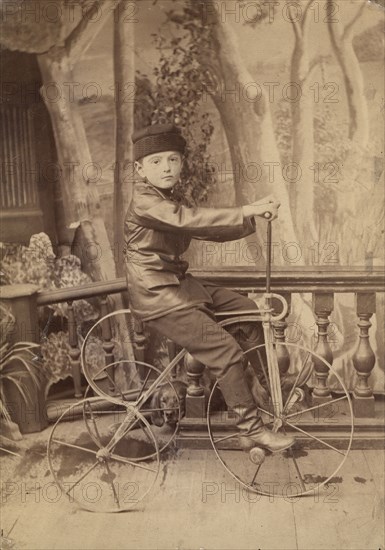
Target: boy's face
pixel 161 169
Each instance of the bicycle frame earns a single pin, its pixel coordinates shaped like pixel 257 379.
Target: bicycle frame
pixel 134 404
pixel 266 317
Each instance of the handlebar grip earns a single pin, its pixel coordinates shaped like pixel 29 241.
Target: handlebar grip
pixel 285 307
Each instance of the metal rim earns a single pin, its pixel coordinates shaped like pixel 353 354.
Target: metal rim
pixel 65 490
pixel 141 410
pixel 318 485
pixel 83 361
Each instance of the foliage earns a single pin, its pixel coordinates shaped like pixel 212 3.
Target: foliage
pixel 369 45
pixel 179 97
pixel 55 353
pixel 37 264
pixel 282 129
pixel 331 146
pixel 18 363
pixel 56 359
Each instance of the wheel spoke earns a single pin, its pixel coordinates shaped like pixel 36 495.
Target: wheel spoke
pixel 301 480
pixel 327 403
pixel 154 410
pixel 266 412
pixel 144 384
pixel 314 437
pixel 256 473
pixel 131 463
pixel 128 428
pixel 72 446
pixel 295 382
pixel 226 437
pixel 82 477
pixel 109 473
pixel 112 413
pixel 112 455
pixel 94 424
pixel 114 384
pixel 264 372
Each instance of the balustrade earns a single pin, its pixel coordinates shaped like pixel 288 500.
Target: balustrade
pixel 363 357
pixel 322 285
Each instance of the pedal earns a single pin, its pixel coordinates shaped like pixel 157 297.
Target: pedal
pixel 257 455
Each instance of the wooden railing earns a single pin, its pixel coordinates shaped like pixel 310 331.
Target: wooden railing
pixel 322 284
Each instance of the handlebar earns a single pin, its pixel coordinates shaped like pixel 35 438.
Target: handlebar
pixel 268 254
pixel 268 294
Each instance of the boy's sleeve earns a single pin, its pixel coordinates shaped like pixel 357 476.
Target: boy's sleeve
pixel 230 233
pixel 200 222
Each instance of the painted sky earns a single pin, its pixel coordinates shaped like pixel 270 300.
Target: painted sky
pixel 268 44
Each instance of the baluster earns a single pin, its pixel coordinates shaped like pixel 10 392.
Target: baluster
pixel 108 344
pixel 323 305
pixel 279 328
pixel 364 358
pixel 195 398
pixel 74 350
pixel 172 352
pixel 140 347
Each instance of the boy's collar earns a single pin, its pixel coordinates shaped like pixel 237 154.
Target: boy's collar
pixel 161 192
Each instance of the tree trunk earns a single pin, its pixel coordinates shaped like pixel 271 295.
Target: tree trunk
pixel 80 196
pixel 342 44
pixel 81 201
pixel 124 66
pixel 246 118
pixel 350 194
pixel 301 103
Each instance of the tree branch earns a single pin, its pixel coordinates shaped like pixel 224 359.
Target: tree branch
pixel 314 63
pixel 296 26
pixel 349 27
pixel 79 40
pixel 305 21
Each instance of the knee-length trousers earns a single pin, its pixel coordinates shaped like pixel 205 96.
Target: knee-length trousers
pixel 196 329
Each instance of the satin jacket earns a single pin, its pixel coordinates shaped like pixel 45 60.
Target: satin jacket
pixel 157 232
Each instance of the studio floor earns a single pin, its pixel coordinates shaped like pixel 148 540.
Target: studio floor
pixel 194 504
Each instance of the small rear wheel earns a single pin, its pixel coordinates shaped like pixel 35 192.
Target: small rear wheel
pixel 110 471
pixel 106 385
pixel 123 381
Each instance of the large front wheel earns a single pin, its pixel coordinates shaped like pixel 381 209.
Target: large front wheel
pixel 323 427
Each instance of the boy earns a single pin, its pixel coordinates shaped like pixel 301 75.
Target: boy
pixel 158 231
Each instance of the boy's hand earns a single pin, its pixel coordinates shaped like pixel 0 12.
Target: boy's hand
pixel 268 205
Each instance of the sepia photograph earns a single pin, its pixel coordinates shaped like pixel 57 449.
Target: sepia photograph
pixel 192 275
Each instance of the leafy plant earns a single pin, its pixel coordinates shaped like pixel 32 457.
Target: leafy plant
pixel 176 93
pixel 37 264
pixel 18 364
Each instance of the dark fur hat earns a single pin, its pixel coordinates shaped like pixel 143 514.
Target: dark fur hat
pixel 157 138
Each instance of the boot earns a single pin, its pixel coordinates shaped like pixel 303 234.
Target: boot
pixel 254 434
pixel 252 431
